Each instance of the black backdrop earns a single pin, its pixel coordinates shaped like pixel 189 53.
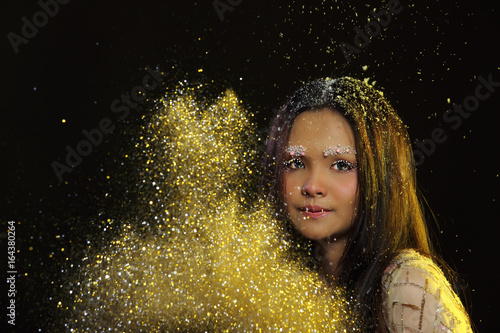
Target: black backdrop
pixel 84 55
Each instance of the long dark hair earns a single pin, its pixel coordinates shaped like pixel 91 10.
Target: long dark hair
pixel 391 217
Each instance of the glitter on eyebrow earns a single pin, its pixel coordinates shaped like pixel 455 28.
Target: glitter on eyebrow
pixel 338 149
pixel 296 150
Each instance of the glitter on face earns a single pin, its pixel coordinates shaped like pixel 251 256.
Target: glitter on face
pixel 213 257
pixel 296 150
pixel 338 150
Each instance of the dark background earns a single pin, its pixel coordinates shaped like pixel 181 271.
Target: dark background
pixel 427 58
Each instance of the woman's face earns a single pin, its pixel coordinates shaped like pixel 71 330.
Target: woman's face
pixel 320 178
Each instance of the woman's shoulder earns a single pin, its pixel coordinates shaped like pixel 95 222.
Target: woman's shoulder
pixel 411 259
pixel 419 298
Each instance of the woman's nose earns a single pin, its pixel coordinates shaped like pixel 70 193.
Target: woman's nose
pixel 314 186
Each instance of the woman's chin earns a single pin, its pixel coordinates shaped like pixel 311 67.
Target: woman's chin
pixel 314 235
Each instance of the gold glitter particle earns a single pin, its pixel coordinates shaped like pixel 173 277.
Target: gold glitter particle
pixel 213 258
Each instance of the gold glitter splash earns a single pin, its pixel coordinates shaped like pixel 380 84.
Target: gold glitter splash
pixel 213 257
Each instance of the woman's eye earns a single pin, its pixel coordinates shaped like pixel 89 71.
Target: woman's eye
pixel 294 163
pixel 343 166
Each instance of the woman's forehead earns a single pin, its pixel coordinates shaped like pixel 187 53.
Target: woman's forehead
pixel 321 128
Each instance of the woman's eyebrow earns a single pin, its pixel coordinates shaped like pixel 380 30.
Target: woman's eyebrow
pixel 296 150
pixel 338 150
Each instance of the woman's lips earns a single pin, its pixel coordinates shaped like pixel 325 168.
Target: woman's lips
pixel 314 212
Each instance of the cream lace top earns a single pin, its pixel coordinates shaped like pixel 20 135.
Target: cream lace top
pixel 418 298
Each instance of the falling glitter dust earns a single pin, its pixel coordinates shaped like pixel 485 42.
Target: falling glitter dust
pixel 214 257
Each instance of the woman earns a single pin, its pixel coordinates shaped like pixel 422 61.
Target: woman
pixel 340 169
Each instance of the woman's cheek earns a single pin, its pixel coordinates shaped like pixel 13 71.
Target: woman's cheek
pixel 346 187
pixel 287 188
pixel 290 184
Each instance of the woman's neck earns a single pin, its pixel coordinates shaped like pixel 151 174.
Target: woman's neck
pixel 329 252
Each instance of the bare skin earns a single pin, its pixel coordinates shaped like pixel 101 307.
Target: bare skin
pixel 321 189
